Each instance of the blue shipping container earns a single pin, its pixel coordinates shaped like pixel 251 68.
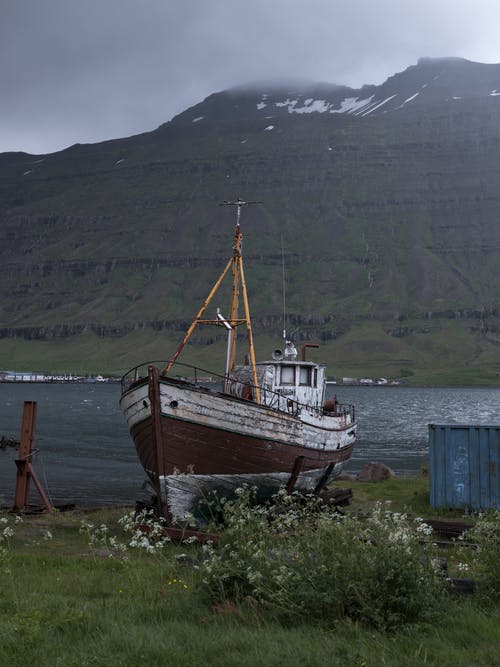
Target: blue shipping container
pixel 464 466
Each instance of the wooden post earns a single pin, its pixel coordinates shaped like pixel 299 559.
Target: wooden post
pixel 25 470
pixel 154 399
pixel 297 467
pixel 324 478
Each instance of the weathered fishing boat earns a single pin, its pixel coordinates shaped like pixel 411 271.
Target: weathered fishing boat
pixel 266 424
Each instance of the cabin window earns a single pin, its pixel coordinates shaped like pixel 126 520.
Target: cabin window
pixel 305 376
pixel 287 375
pixel 315 382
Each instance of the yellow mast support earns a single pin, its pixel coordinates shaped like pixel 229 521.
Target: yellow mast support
pixel 236 263
pixel 196 319
pixel 249 332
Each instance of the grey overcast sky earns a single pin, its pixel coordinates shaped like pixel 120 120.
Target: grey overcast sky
pixel 90 70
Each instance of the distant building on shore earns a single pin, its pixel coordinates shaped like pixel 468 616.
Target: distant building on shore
pixel 369 382
pixel 21 376
pixel 37 376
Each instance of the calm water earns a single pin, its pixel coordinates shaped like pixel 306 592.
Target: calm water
pixel 87 457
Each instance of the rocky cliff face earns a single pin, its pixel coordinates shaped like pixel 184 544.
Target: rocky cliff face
pixel 385 200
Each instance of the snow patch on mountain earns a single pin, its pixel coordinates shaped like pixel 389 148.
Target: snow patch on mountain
pixel 409 99
pixel 349 105
pixel 287 103
pixel 352 104
pixel 311 106
pixel 377 105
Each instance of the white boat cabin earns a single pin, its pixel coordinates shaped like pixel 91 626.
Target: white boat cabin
pixel 284 382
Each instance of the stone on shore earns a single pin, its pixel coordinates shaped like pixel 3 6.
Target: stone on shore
pixel 375 471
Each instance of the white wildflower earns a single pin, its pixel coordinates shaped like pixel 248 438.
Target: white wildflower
pixel 424 529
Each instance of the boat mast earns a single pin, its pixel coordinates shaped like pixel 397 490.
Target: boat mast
pixel 240 274
pixel 236 284
pixel 236 264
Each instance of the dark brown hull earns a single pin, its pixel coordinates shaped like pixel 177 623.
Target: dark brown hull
pixel 195 448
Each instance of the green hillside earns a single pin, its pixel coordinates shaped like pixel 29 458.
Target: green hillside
pixel 388 221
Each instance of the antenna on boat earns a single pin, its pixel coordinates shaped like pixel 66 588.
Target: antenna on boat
pixel 236 264
pixel 238 203
pixel 284 289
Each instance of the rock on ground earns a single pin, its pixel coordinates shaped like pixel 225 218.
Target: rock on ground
pixel 375 471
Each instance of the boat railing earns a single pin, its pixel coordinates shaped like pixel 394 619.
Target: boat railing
pixel 201 377
pixel 186 372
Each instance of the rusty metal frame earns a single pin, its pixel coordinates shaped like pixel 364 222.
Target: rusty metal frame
pixel 303 349
pixel 25 472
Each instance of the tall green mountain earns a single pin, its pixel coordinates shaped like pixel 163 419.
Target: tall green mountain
pixel 383 201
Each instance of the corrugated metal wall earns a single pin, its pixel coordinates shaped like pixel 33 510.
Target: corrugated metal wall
pixel 464 466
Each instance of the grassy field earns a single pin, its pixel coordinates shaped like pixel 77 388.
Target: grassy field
pixel 69 599
pixel 448 358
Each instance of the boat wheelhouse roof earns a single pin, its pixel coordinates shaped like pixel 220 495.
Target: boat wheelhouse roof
pixel 290 362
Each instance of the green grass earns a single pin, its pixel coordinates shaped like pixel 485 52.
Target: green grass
pixel 405 494
pixel 87 613
pixel 61 603
pixel 447 356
